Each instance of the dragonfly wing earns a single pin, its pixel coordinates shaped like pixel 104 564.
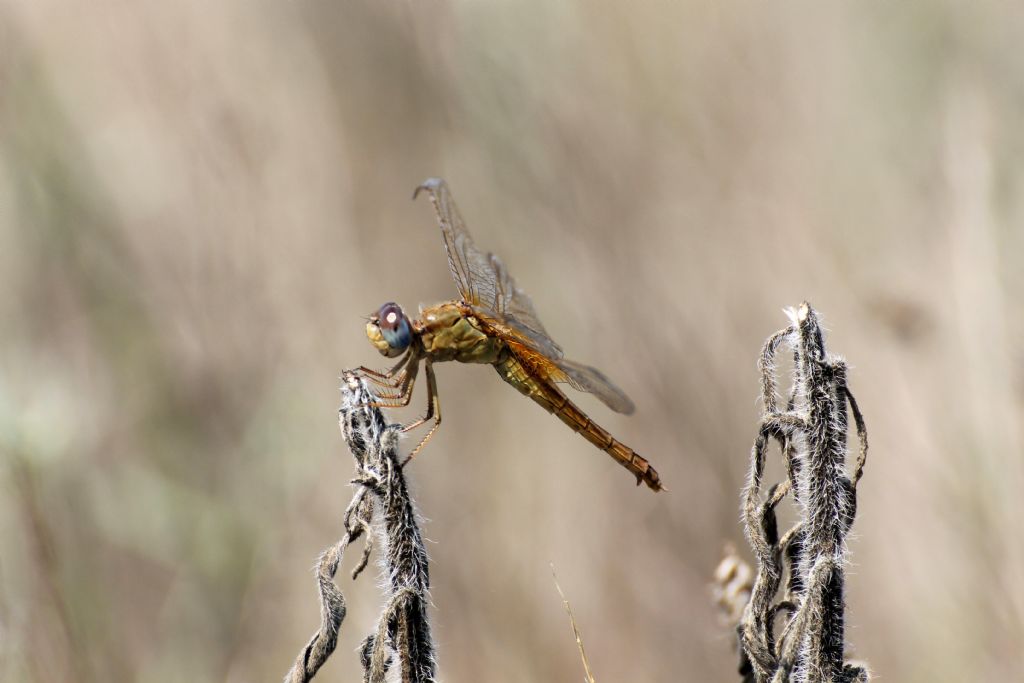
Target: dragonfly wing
pixel 577 375
pixel 516 308
pixel 506 310
pixel 472 269
pixel 518 335
pixel 542 354
pixel 483 281
pixel 591 380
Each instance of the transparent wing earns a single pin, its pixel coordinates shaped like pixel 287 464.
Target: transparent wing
pixel 516 309
pixel 593 381
pixel 483 280
pixel 506 310
pixel 578 376
pixel 474 274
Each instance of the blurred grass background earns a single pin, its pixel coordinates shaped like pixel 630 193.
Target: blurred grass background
pixel 200 201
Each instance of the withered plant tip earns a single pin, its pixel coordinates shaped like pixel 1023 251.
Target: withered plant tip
pixel 381 508
pixel 812 435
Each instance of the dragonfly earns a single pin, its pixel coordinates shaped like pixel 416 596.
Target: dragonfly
pixel 493 323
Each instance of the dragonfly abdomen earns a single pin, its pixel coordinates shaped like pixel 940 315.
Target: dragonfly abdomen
pixel 554 401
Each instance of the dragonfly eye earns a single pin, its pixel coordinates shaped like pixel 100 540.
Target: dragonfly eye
pixel 394 327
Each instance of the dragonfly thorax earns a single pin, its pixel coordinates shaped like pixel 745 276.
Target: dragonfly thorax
pixel 447 333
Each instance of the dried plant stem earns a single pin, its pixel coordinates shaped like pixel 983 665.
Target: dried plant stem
pixel 575 628
pixel 812 435
pixel 381 507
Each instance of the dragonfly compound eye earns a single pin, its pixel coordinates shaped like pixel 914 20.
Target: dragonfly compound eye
pixel 394 328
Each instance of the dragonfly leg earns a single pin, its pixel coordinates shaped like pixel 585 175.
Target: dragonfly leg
pixel 403 386
pixel 388 378
pixel 390 383
pixel 404 395
pixel 433 411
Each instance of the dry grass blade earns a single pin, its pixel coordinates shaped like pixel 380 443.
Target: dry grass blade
pixel 575 628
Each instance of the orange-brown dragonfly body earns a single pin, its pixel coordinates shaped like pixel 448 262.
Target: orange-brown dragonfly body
pixel 494 323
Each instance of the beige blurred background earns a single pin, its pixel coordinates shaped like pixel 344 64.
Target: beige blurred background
pixel 199 202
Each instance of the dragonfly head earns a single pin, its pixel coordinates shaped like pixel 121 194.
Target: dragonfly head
pixel 389 330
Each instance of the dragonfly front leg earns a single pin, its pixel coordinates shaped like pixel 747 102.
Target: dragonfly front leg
pixel 404 395
pixel 389 378
pixel 433 412
pixel 404 383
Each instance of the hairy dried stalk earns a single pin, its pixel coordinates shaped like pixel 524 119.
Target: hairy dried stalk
pixel 381 507
pixel 812 434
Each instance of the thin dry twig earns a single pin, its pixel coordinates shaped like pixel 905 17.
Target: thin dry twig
pixel 575 628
